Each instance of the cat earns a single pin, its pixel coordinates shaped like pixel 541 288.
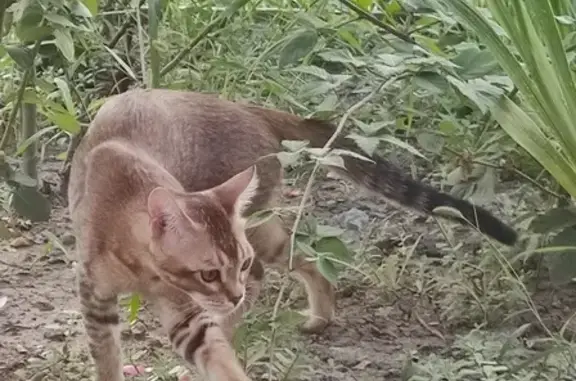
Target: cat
pixel 159 194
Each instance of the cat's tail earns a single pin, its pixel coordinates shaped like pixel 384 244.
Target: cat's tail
pixel 385 178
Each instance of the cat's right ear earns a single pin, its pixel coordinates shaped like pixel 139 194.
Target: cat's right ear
pixel 162 210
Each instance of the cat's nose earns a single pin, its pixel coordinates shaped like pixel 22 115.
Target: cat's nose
pixel 235 299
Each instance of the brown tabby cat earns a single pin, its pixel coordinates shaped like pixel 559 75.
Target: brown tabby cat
pixel 159 190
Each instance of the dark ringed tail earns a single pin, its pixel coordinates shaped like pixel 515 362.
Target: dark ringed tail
pixel 384 177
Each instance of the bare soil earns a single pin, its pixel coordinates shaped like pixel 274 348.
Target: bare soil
pixel 41 336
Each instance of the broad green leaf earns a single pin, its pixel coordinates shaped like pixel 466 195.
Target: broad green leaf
pixel 479 91
pixel 65 43
pixel 298 46
pixel 294 145
pixel 364 3
pixel 59 20
pixel 328 231
pixel 288 159
pixel 65 93
pixel 402 144
pixel 327 269
pixel 85 8
pixel 367 144
pixel 306 249
pixel 28 34
pixel 29 203
pixel 21 55
pixel 65 121
pixel 554 219
pixel 430 142
pixel 332 161
pixel 335 247
pixel 474 62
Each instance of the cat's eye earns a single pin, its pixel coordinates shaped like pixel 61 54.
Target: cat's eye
pixel 246 265
pixel 210 276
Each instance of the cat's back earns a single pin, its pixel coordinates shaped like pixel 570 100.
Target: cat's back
pixel 200 139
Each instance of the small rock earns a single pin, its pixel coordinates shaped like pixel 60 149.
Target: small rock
pixel 55 332
pixel 43 306
pixel 19 242
pixel 20 349
pixel 355 219
pixel 68 239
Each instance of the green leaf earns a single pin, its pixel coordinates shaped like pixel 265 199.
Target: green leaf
pixel 431 142
pixel 332 160
pixel 364 3
pixel 562 265
pixel 295 145
pixel 260 217
pixel 91 5
pixel 366 144
pixel 121 63
pixel 134 308
pixel 306 249
pixel 288 159
pixel 554 219
pixel 402 144
pixel 335 247
pixel 328 231
pixel 327 269
pixel 474 62
pixel 65 43
pixel 28 34
pixel 29 203
pixel 23 56
pixel 65 121
pixel 298 46
pixel 59 20
pixel 65 93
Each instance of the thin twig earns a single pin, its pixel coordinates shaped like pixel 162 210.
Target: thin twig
pixel 324 151
pixel 369 17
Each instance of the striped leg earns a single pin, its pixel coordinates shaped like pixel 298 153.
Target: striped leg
pixel 201 342
pixel 101 322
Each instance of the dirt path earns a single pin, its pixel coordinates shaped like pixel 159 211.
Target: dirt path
pixel 373 336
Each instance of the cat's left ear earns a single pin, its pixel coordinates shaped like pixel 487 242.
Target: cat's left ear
pixel 236 193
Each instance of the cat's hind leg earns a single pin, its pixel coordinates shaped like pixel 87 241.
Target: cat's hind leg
pixel 271 243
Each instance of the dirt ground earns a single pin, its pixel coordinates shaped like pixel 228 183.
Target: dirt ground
pixel 375 332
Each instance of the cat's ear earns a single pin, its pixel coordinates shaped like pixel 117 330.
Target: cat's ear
pixel 163 210
pixel 237 193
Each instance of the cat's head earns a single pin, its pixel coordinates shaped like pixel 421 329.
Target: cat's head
pixel 198 241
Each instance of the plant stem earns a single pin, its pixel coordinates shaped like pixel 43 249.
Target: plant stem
pixel 369 17
pixel 28 73
pixel 152 37
pixel 220 20
pixel 28 129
